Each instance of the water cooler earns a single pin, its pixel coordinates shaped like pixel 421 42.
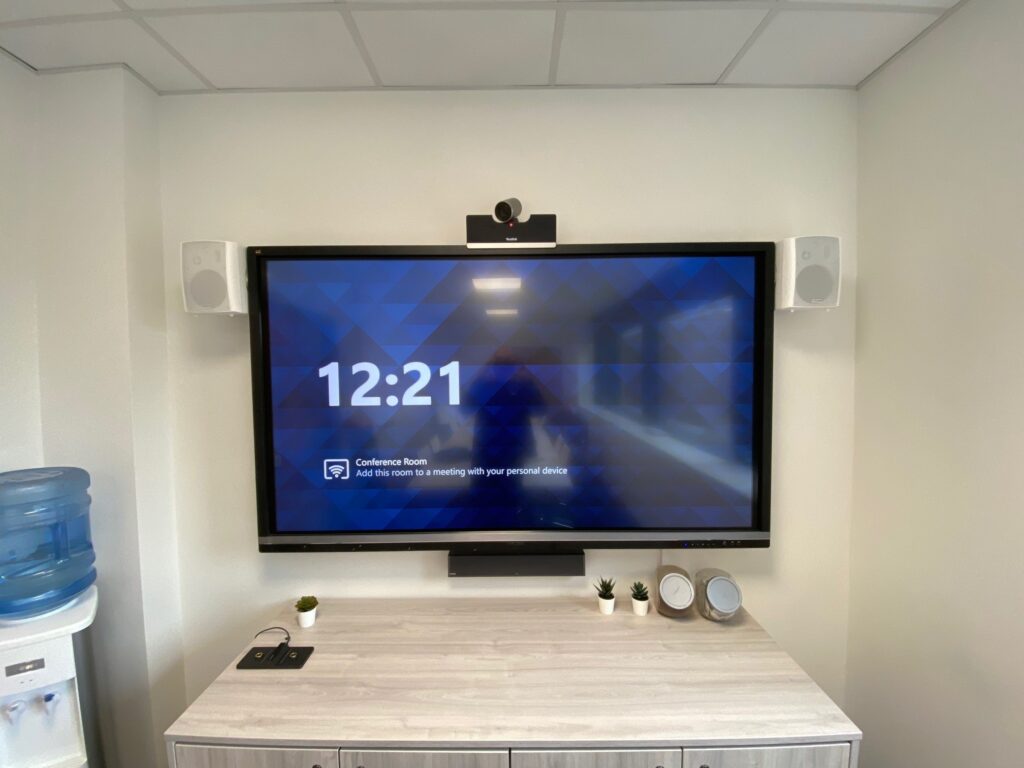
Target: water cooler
pixel 46 596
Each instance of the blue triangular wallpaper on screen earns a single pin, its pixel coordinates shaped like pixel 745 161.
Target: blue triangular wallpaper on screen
pixel 520 394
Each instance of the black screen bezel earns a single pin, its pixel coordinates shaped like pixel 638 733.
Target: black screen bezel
pixel 270 540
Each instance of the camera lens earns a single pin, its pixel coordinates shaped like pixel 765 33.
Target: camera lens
pixel 508 209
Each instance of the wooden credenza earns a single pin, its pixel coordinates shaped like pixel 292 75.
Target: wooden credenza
pixel 503 683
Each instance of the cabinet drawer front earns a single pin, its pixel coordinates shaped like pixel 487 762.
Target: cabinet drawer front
pixel 809 756
pixel 423 759
pixel 598 758
pixel 194 756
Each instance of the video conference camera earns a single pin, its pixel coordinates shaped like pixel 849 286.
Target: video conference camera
pixel 508 209
pixel 503 229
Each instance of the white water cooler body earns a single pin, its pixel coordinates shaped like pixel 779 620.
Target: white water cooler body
pixel 40 716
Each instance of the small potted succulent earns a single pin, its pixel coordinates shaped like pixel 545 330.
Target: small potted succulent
pixel 641 601
pixel 606 595
pixel 306 608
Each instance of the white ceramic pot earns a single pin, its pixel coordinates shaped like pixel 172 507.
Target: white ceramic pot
pixel 306 618
pixel 640 606
pixel 607 605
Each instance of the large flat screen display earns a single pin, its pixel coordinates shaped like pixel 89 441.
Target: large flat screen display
pixel 605 395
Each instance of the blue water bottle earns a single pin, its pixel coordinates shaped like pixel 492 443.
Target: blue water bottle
pixel 46 554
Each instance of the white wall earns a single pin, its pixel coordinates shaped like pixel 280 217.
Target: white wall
pixel 405 168
pixel 20 432
pixel 85 371
pixel 151 437
pixel 936 627
pixel 102 367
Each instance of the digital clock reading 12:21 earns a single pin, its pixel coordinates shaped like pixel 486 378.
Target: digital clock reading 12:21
pixel 362 394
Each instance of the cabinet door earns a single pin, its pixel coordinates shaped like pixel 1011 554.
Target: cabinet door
pixel 809 756
pixel 194 756
pixel 597 758
pixel 387 758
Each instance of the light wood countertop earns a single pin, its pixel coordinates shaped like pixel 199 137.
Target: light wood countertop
pixel 508 673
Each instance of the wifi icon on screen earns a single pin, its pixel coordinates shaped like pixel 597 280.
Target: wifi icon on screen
pixel 335 469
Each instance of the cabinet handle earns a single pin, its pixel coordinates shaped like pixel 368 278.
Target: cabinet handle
pixel 705 766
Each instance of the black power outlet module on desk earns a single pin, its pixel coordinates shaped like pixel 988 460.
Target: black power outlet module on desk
pixel 281 656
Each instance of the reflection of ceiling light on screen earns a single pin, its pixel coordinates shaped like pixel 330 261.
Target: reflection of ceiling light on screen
pixel 497 283
pixel 502 312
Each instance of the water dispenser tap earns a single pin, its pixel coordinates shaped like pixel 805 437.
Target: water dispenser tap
pixel 13 711
pixel 50 702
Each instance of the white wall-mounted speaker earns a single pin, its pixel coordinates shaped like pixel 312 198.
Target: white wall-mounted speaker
pixel 213 278
pixel 808 273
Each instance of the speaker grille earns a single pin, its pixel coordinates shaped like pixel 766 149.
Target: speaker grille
pixel 208 289
pixel 814 284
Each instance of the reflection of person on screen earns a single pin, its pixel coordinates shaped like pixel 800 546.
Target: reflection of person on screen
pixel 357 433
pixel 504 398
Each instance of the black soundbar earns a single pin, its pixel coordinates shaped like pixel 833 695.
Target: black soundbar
pixel 540 562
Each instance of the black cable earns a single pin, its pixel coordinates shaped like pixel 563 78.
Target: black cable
pixel 282 648
pixel 287 634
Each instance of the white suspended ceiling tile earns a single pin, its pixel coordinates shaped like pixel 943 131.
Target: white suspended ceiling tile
pixel 826 47
pixel 85 43
pixel 268 49
pixel 939 4
pixel 459 47
pixel 623 46
pixel 19 10
pixel 154 5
